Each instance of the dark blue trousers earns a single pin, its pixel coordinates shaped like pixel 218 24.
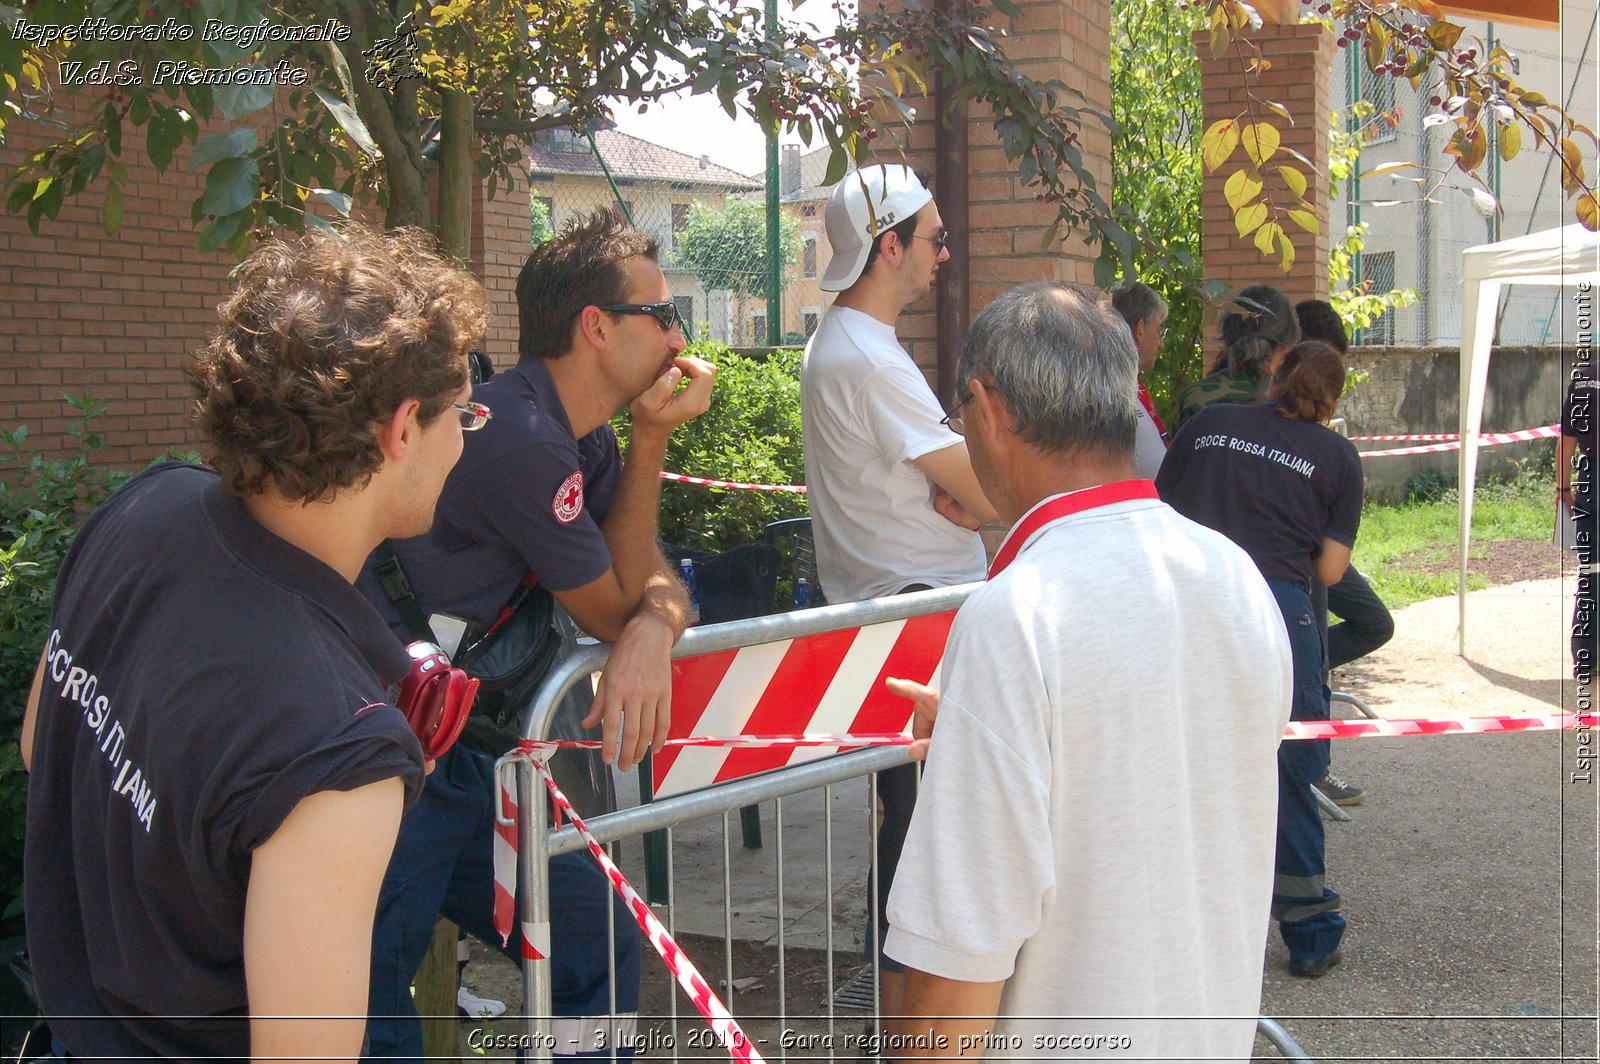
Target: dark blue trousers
pixel 1306 910
pixel 443 864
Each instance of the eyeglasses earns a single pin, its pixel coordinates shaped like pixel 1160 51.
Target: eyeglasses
pixel 941 239
pixel 952 419
pixel 473 415
pixel 666 313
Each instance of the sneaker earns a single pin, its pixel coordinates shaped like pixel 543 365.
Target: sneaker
pixel 1315 968
pixel 1338 791
pixel 473 1007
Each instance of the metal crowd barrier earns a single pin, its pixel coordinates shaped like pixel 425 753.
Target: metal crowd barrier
pixel 537 843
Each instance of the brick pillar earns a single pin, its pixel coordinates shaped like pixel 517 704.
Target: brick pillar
pixel 1300 58
pixel 1069 40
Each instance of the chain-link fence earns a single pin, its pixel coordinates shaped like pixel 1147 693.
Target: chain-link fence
pixel 710 222
pixel 1416 242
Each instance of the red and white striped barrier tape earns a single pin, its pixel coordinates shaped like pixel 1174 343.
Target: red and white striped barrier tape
pixel 731 484
pixel 721 1021
pixel 1487 439
pixel 1422 437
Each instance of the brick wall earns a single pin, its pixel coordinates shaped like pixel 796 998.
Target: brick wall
pixel 118 317
pixel 114 316
pixel 1069 40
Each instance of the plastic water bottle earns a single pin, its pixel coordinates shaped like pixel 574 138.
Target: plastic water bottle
pixel 692 586
pixel 802 594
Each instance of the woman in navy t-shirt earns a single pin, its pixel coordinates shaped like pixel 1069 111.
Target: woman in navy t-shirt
pixel 1279 483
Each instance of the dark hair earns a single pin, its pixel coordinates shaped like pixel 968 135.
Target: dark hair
pixel 1065 364
pixel 582 266
pixel 902 231
pixel 1319 321
pixel 1137 302
pixel 323 337
pixel 1308 382
pixel 1260 321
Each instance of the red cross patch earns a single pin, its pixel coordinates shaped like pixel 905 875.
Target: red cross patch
pixel 568 502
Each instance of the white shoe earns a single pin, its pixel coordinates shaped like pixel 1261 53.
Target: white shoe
pixel 474 1007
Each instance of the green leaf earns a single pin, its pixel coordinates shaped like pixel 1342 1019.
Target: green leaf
pixel 227 145
pixel 111 208
pixel 838 163
pixel 341 202
pixel 220 231
pixel 237 101
pixel 350 122
pixel 164 136
pixel 231 186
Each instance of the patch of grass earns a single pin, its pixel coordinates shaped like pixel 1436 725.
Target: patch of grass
pixel 1400 547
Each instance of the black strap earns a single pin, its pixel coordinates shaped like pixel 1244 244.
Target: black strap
pixel 392 576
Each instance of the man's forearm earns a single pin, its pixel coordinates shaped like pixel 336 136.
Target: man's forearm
pixel 944 1017
pixel 664 599
pixel 630 526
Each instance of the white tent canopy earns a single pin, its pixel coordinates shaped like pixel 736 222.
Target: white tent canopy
pixel 1566 256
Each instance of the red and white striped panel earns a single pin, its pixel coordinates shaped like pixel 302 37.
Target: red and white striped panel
pixel 827 683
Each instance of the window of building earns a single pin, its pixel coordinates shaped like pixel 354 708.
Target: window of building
pixel 809 210
pixel 680 217
pixel 1377 269
pixel 810 258
pixel 811 322
pixel 685 308
pixel 758 328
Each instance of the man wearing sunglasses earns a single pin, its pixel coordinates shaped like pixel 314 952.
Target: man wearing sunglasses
pixel 894 502
pixel 542 491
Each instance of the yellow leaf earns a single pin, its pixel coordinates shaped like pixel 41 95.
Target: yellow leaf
pixel 1241 189
pixel 1238 19
pixel 1387 168
pixel 1266 235
pixel 1285 252
pixel 1571 167
pixel 1444 35
pixel 1294 179
pixel 1588 211
pixel 1260 142
pixel 1218 143
pixel 1510 141
pixel 1219 40
pixel 1249 218
pixel 1306 220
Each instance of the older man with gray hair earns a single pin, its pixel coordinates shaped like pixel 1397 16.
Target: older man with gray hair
pixel 1089 868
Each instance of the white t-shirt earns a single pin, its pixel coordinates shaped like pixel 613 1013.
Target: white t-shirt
pixel 1148 447
pixel 1098 818
pixel 867 413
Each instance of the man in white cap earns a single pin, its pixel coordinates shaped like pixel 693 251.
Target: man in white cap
pixel 894 502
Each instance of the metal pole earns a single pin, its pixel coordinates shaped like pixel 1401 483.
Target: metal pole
pixel 774 261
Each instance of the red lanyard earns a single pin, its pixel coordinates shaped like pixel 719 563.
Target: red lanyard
pixel 1065 506
pixel 1150 408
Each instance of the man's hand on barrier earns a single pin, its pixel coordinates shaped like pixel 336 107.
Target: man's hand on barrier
pixel 664 407
pixel 927 710
pixel 634 696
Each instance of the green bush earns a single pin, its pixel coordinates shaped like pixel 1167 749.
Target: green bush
pixel 751 434
pixel 42 502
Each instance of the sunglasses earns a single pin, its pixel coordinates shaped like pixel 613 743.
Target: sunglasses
pixel 665 313
pixel 941 239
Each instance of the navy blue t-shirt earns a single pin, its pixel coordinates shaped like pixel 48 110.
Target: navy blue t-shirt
pixel 1274 486
pixel 202 676
pixel 526 497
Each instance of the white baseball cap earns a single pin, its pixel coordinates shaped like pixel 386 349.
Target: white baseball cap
pixel 864 203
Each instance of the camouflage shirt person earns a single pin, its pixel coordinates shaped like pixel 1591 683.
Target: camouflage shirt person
pixel 1223 386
